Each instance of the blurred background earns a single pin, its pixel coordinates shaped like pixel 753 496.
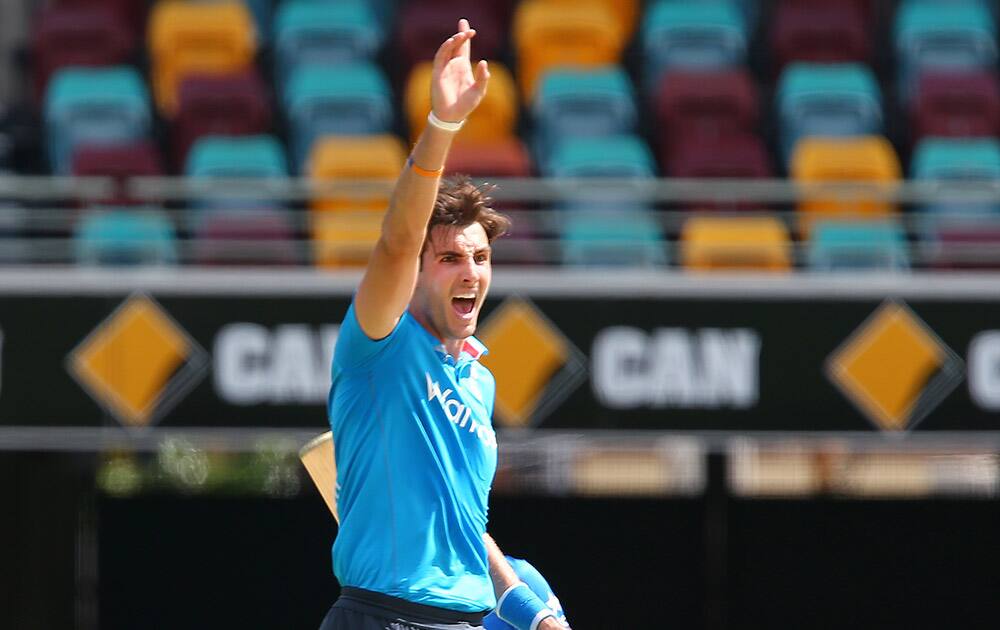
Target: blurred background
pixel 746 329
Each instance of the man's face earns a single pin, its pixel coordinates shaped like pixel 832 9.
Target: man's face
pixel 454 277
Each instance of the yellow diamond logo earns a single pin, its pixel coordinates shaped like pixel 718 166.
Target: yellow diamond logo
pixel 894 368
pixel 535 365
pixel 138 363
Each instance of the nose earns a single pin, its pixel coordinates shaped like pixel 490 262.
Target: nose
pixel 470 271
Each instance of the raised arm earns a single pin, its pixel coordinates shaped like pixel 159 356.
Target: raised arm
pixel 389 280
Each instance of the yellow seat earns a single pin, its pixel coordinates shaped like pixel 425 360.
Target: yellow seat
pixel 345 227
pixel 625 12
pixel 546 35
pixel 188 38
pixel 494 119
pixel 862 159
pixel 735 243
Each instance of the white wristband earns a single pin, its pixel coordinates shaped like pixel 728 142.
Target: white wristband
pixel 444 125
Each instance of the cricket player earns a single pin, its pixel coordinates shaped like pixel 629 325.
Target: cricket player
pixel 411 406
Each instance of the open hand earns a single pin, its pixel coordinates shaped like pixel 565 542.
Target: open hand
pixel 456 90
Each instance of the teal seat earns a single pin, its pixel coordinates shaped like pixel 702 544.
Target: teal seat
pixel 836 246
pixel 959 164
pixel 942 36
pixel 344 99
pixel 311 32
pixel 622 237
pixel 125 237
pixel 624 155
pixel 95 106
pixel 578 102
pixel 679 35
pixel 827 100
pixel 236 156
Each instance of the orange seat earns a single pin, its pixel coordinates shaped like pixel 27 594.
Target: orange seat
pixel 735 243
pixel 547 34
pixel 345 227
pixel 192 38
pixel 494 119
pixel 625 12
pixel 868 159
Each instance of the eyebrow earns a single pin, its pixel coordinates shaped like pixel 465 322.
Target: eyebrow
pixel 452 252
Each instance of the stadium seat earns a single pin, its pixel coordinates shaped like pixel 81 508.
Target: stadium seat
pixel 231 105
pixel 625 12
pixel 499 158
pixel 422 26
pixel 234 156
pixel 688 36
pixel 546 35
pixel 132 13
pixel 344 158
pixel 258 237
pixel 942 36
pixel 735 243
pixel 77 36
pixel 818 32
pixel 705 104
pixel 188 38
pixel 573 102
pixel 494 119
pixel 346 99
pixel 141 159
pixel 958 246
pixel 311 32
pixel 99 106
pixel 959 165
pixel 861 159
pixel 964 104
pixel 843 246
pixel 826 100
pixel 125 237
pixel 263 18
pixel 610 156
pixel 619 237
pixel 736 155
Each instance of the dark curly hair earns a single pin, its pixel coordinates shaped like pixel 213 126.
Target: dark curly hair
pixel 460 203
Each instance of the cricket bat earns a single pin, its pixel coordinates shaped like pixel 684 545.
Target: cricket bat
pixel 318 458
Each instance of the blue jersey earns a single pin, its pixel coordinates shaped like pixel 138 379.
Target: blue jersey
pixel 416 454
pixel 530 576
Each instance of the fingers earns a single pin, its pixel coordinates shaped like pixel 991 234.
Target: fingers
pixel 453 46
pixel 482 75
pixel 466 48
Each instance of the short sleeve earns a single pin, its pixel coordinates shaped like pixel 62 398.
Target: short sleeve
pixel 355 349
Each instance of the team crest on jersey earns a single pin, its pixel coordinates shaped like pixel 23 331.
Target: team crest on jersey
pixel 459 413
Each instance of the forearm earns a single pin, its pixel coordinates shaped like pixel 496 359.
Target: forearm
pixel 413 199
pixel 504 577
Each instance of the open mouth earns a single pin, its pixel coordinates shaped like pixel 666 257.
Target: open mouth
pixel 463 306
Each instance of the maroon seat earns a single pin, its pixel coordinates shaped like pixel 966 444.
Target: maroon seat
pixel 422 26
pixel 121 162
pixel 507 158
pixel 706 104
pixel 236 104
pixel 733 155
pixel 966 247
pixel 819 32
pixel 252 237
pixel 956 104
pixel 77 36
pixel 132 13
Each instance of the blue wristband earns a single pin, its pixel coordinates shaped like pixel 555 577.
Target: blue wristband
pixel 521 608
